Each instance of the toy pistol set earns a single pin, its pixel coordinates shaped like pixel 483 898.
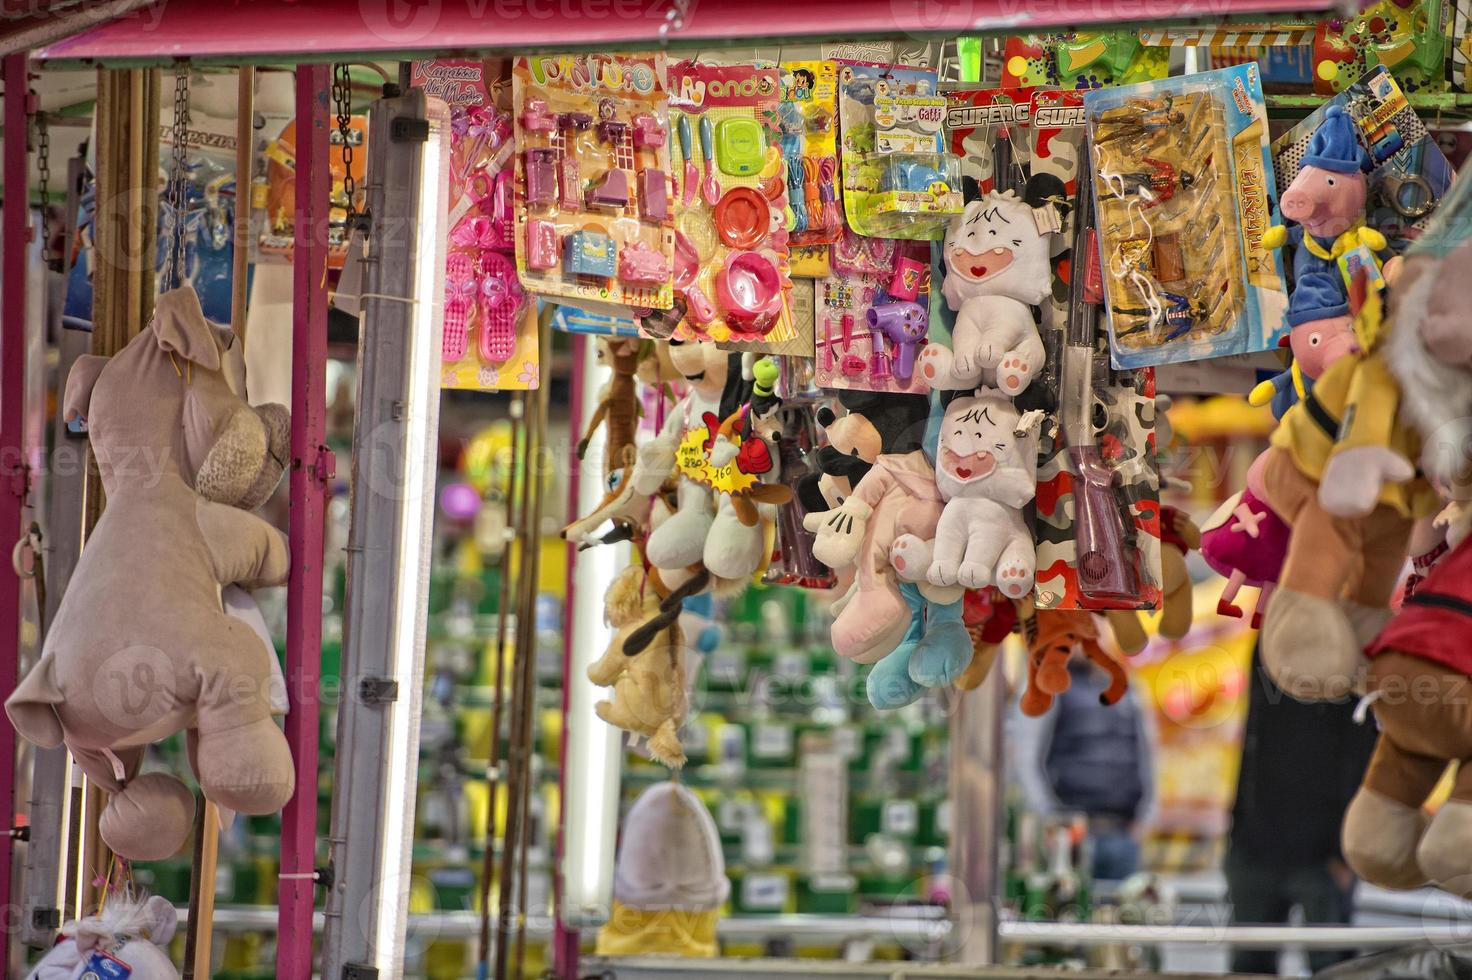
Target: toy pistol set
pixel 594 220
pixel 898 179
pixel 808 121
pixel 1182 181
pixel 731 195
pixel 990 127
pixel 488 326
pixel 872 315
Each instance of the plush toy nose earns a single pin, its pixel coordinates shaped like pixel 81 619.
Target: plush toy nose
pixel 1299 206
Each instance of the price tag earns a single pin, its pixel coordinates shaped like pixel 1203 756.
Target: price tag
pixel 727 663
pixel 731 815
pixel 943 818
pixel 764 892
pixel 103 966
pixel 772 742
pixel 791 665
pixel 900 817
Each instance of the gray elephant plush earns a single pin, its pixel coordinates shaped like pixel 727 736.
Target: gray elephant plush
pixel 142 646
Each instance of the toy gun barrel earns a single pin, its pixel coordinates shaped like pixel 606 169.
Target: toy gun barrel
pixel 1105 571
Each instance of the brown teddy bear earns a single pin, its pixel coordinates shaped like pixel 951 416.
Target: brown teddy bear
pixel 142 646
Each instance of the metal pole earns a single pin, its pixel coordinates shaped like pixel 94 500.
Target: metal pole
pixel 977 791
pixel 311 468
pixel 565 937
pixel 395 448
pixel 16 223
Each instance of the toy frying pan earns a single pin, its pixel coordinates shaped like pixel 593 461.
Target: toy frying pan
pixel 743 218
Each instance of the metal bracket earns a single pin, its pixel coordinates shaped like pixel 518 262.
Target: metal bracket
pixel 323 876
pixel 407 130
pixel 18 478
pixel 357 971
pixel 325 468
pixel 46 919
pixel 20 833
pixel 378 690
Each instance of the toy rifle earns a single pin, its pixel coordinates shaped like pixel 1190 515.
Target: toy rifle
pixel 1105 571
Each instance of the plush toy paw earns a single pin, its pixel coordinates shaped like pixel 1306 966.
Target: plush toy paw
pixel 1365 621
pixel 1380 838
pixel 910 556
pixel 1309 648
pixel 733 550
pixel 943 573
pixel 1352 479
pixel 1444 854
pixel 943 654
pixel 1014 374
pixel 839 532
pixel 150 820
pixel 248 768
pixel 973 575
pixel 871 626
pixel 655 462
pixel 1014 577
pixel 934 365
pixel 888 685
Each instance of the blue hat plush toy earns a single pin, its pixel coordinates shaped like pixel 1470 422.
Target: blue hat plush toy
pixel 1317 296
pixel 1333 146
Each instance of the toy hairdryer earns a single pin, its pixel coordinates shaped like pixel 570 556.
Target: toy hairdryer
pixel 1106 573
pixel 904 326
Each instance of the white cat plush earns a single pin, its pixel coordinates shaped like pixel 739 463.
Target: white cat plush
pixel 986 470
pixel 997 255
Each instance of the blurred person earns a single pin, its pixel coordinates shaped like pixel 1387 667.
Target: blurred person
pixel 1086 757
pixel 1301 764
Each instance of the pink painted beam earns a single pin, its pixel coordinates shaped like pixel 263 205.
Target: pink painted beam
pixel 311 468
pixel 13 471
pixel 291 29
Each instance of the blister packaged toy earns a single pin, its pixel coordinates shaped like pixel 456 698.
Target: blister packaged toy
pixel 594 220
pixel 898 179
pixel 979 122
pixel 1408 173
pixel 808 121
pixel 872 315
pixel 1183 179
pixel 1408 37
pixel 490 328
pixel 731 268
pixel 1080 60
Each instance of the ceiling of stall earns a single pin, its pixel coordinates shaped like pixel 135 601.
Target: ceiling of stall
pixel 33 23
pixel 236 31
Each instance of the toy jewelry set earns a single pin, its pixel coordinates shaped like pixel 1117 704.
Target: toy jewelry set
pixel 898 180
pixel 1183 182
pixel 730 208
pixel 489 323
pixel 594 220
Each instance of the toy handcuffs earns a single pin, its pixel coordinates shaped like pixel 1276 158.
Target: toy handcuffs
pixel 1409 194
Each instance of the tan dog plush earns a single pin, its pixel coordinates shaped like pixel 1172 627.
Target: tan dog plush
pixel 142 646
pixel 649 696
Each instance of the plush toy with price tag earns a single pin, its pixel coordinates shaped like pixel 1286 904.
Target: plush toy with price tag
pixel 128 940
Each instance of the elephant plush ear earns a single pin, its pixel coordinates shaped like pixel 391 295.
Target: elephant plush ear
pixel 80 381
pixel 180 326
pixel 162 918
pixel 32 706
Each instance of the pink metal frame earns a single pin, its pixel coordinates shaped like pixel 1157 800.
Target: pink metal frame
pixel 15 222
pixel 310 470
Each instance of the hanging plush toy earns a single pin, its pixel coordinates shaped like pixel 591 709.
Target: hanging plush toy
pixel 128 939
pixel 1340 475
pixel 986 473
pixel 1320 332
pixel 997 256
pixel 896 496
pixel 1326 200
pixel 853 444
pixel 1420 670
pixel 1053 636
pixel 142 646
pixel 649 697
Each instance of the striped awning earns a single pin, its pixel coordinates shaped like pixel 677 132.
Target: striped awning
pixel 1228 36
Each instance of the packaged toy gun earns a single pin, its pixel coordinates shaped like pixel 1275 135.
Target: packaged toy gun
pixel 1105 570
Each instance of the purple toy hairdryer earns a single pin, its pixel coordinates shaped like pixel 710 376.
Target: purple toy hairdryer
pixel 904 326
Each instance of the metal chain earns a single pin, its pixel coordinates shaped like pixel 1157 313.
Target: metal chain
pixel 342 98
pixel 43 165
pixel 178 197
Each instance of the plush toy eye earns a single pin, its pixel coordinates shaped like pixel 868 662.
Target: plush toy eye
pixel 1329 181
pixel 1313 341
pixel 1001 447
pixel 1016 243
